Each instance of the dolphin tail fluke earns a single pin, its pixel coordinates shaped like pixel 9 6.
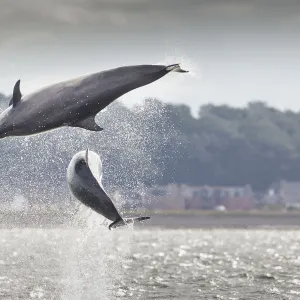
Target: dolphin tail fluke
pixel 126 221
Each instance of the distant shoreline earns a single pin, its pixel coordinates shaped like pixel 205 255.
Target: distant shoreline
pixel 232 213
pixel 232 219
pixel 162 219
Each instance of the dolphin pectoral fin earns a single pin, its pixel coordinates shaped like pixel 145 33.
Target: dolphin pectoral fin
pixel 88 124
pixel 16 97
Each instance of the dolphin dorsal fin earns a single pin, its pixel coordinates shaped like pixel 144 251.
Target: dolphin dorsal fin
pixel 16 97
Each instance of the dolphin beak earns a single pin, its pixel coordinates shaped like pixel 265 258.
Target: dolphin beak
pixel 175 68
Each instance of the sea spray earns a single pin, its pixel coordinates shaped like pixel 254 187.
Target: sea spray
pixel 93 268
pixel 133 147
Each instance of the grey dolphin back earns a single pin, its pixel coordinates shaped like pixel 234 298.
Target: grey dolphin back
pixel 107 201
pixel 119 220
pixel 109 210
pixel 86 188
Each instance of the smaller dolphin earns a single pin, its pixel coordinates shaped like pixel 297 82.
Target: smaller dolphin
pixel 84 177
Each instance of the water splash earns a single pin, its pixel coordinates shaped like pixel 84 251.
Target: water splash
pixel 129 147
pixel 94 261
pixel 132 146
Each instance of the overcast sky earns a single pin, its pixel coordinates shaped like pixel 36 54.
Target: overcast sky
pixel 238 51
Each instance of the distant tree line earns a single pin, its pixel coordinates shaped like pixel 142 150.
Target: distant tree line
pixel 156 143
pixel 254 145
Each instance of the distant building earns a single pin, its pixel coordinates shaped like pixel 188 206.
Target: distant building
pixel 239 203
pixel 180 197
pixel 168 197
pixel 283 192
pixel 210 197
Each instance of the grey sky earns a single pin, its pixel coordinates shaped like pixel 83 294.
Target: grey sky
pixel 238 51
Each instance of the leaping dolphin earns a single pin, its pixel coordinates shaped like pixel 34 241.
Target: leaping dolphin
pixel 84 177
pixel 75 102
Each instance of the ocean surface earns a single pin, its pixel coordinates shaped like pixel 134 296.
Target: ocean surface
pixel 92 263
